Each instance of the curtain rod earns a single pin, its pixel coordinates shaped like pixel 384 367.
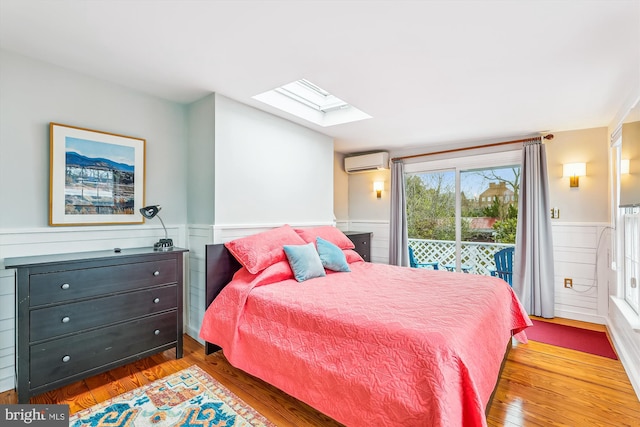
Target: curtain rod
pixel 454 150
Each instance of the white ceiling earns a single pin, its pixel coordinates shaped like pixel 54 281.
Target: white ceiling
pixel 430 73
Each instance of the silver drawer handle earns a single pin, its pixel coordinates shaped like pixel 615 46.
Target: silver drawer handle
pixel 156 300
pixel 157 332
pixel 66 358
pixel 156 273
pixel 364 243
pixel 65 319
pixel 65 286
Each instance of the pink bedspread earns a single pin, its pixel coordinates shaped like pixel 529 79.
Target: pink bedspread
pixel 379 346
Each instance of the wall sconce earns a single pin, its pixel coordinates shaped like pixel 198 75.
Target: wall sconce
pixel 149 212
pixel 624 167
pixel 574 171
pixel 378 186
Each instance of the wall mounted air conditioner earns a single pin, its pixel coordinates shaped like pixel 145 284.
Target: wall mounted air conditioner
pixel 366 162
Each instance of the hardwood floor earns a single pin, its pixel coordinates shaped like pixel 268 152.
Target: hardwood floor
pixel 542 385
pixel 545 385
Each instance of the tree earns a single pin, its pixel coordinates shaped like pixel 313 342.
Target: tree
pixel 512 183
pixel 430 207
pixel 470 206
pixel 506 230
pixel 495 210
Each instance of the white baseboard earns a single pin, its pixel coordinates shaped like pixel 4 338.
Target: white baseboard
pixel 7 384
pixel 626 340
pixel 193 333
pixel 629 362
pixel 583 317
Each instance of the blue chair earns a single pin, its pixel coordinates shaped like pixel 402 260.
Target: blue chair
pixel 415 264
pixel 504 265
pixel 452 267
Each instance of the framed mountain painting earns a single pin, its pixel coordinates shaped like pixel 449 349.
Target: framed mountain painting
pixel 95 178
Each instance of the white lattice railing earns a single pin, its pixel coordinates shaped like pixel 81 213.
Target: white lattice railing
pixel 478 256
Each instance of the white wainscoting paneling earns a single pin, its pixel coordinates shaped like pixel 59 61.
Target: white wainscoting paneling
pixel 342 224
pixel 7 329
pixel 225 233
pixel 55 240
pixel 201 235
pixel 581 253
pixel 379 239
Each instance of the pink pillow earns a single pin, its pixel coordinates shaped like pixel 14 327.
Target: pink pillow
pixel 352 256
pixel 259 251
pixel 327 232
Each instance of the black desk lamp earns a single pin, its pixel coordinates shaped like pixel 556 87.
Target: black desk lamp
pixel 149 212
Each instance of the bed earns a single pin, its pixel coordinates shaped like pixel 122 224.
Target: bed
pixel 375 345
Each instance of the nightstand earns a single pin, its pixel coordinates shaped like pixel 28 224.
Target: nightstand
pixel 362 240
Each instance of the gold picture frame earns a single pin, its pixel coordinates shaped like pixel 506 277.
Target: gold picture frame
pixel 95 177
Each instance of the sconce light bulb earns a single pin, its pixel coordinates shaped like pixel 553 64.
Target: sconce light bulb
pixel 378 186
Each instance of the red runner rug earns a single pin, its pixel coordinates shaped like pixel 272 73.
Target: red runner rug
pixel 584 340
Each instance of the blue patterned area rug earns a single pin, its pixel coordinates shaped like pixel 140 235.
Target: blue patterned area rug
pixel 187 398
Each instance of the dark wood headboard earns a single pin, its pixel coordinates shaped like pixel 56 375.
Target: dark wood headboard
pixel 220 266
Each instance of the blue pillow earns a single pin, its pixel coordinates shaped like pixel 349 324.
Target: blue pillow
pixel 304 261
pixel 331 256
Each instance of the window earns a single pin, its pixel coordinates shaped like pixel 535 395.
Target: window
pixel 310 102
pixel 627 236
pixel 631 256
pixel 461 211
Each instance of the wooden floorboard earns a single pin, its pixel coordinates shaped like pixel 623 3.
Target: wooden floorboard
pixel 542 385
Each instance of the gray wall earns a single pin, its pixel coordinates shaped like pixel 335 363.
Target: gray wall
pixel 201 154
pixel 340 189
pixel 630 183
pixel 269 170
pixel 215 161
pixel 588 203
pixel 33 93
pixel 363 203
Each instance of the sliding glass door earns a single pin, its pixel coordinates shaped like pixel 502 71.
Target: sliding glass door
pixel 459 216
pixel 431 216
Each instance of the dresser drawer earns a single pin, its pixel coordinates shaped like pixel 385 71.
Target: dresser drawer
pixel 362 247
pixel 63 319
pixel 47 288
pixel 362 242
pixel 61 358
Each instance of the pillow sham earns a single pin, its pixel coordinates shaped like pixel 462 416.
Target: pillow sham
pixel 331 256
pixel 327 232
pixel 304 261
pixel 352 256
pixel 259 251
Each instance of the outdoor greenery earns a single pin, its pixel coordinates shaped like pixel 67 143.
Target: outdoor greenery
pixel 506 230
pixel 431 209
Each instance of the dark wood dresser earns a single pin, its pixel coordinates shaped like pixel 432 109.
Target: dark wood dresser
pixel 362 240
pixel 79 314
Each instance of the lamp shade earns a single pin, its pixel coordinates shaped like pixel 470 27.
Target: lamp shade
pixel 150 211
pixel 574 169
pixel 624 167
pixel 378 186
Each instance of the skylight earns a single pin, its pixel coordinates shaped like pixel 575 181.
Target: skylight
pixel 310 102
